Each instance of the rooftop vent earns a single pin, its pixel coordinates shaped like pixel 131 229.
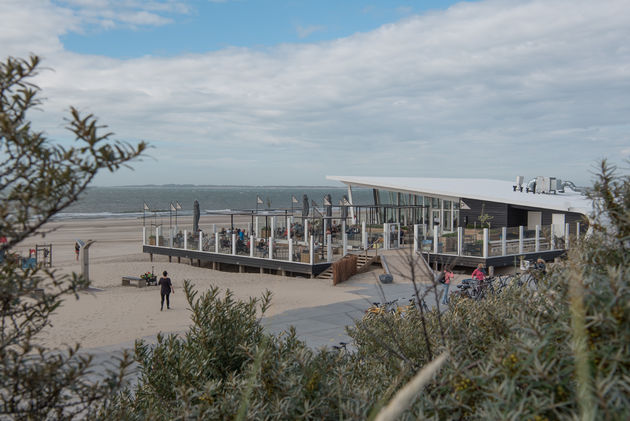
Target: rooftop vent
pixel 519 183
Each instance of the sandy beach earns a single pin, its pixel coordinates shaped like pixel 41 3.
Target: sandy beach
pixel 115 314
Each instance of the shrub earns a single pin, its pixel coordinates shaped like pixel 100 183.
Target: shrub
pixel 557 351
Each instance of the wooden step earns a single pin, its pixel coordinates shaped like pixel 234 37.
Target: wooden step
pixel 327 274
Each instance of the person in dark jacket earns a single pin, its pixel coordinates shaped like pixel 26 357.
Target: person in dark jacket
pixel 166 287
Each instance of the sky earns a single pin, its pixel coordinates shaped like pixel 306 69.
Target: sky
pixel 260 92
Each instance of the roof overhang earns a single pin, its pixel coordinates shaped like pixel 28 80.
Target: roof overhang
pixel 473 188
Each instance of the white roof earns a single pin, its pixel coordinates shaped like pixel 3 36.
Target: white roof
pixel 474 188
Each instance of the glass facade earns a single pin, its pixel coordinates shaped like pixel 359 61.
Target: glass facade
pixel 409 209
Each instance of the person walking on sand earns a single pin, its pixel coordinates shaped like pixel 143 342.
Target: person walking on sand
pixel 166 287
pixel 77 249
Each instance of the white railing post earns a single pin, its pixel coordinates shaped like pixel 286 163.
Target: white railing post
pixel 460 241
pixel 577 232
pixel 251 245
pixel 214 228
pixel 144 236
pixel 200 240
pixel 537 239
pixel 185 240
pixel 233 244
pixel 325 232
pixel 344 244
pixel 503 241
pixel 552 242
pixel 311 250
pixel 271 245
pixel 521 235
pixel 306 231
pixel 157 236
pixel 485 243
pixel 290 249
pixel 257 232
pixel 216 242
pixel 364 239
pixel 435 239
pixel 415 239
pixel 329 248
pixel 566 236
pixel 273 226
pixel 385 236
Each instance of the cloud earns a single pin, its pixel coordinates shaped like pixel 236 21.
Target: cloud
pixel 304 32
pixel 484 89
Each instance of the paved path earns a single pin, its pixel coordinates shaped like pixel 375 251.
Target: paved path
pixel 326 325
pixel 317 326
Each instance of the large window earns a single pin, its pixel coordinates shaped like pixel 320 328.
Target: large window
pixel 448 213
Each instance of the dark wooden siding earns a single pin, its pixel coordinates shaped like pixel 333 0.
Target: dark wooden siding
pixel 505 215
pixel 498 211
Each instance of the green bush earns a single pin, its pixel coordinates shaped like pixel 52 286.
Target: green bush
pixel 557 351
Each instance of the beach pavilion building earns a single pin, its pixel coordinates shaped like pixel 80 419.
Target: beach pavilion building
pixel 455 221
pixel 486 221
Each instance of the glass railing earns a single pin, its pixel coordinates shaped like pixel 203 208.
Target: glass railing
pixel 511 242
pixel 225 244
pixel 529 240
pixel 545 238
pixel 448 244
pixel 301 254
pixel 472 243
pixel 495 242
pixel 354 236
pixel 375 239
pixel 208 242
pixel 261 248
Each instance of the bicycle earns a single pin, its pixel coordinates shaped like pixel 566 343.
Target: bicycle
pixel 341 347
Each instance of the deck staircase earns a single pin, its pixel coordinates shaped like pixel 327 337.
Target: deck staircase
pixel 363 264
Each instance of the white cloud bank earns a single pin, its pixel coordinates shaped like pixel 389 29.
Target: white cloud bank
pixel 490 89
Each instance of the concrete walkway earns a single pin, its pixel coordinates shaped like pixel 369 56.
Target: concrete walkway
pixel 317 326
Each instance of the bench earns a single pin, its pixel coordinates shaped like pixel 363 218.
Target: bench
pixel 127 280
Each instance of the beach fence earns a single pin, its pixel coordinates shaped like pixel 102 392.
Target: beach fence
pixel 345 268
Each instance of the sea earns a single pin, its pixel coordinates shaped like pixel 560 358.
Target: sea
pixel 129 201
